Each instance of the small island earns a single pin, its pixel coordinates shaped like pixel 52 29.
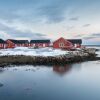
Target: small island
pixel 46 56
pixel 41 52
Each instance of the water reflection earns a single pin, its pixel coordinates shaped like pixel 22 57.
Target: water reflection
pixel 1 70
pixel 79 81
pixel 62 69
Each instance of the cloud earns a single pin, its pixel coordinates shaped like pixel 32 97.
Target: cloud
pixel 86 25
pixel 79 36
pixel 92 36
pixel 70 28
pixel 42 18
pixel 89 39
pixel 89 36
pixel 95 34
pixel 11 32
pixel 74 18
pixel 52 11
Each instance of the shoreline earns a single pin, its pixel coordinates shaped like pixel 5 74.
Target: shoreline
pixel 87 54
pixel 38 60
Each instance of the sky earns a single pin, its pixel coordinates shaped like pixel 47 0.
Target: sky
pixel 50 19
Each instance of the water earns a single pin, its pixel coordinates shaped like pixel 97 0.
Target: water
pixel 79 81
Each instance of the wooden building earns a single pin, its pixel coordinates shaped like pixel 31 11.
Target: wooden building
pixel 39 43
pixel 2 44
pixel 17 43
pixel 62 44
pixel 24 43
pixel 67 43
pixel 76 42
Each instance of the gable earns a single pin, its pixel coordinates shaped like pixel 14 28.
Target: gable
pixel 60 39
pixel 9 41
pixel 63 41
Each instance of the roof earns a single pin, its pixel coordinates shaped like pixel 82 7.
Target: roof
pixel 14 41
pixel 23 41
pixel 40 41
pixel 75 41
pixel 2 41
pixel 59 39
pixel 19 41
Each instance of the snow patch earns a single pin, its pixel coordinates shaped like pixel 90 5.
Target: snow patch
pixel 32 52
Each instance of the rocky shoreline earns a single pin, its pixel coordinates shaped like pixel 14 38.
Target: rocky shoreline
pixel 72 57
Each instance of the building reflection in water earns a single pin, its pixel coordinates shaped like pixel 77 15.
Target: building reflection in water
pixel 1 70
pixel 62 69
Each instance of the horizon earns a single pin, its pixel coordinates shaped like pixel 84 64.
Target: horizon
pixel 51 19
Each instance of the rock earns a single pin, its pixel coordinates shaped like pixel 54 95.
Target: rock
pixel 90 50
pixel 1 85
pixel 71 56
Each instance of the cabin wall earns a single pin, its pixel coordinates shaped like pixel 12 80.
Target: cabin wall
pixel 2 45
pixel 39 44
pixel 22 45
pixel 65 44
pixel 10 44
pixel 62 43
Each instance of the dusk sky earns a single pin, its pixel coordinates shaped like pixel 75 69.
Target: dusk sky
pixel 50 19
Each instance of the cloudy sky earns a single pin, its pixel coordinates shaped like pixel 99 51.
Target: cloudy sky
pixel 50 19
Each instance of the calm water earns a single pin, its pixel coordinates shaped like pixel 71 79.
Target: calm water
pixel 71 82
pixel 79 81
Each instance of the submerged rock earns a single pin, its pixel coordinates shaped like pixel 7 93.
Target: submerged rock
pixel 1 85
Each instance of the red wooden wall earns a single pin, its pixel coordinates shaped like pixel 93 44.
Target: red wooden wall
pixel 67 44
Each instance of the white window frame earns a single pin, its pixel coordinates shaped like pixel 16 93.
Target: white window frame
pixel 61 45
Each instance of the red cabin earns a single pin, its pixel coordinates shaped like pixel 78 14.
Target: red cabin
pixel 67 43
pixel 17 43
pixel 76 42
pixel 39 43
pixel 24 43
pixel 62 44
pixel 2 44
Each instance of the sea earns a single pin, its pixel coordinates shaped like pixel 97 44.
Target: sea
pixel 79 81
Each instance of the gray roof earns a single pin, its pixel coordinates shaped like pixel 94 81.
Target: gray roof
pixel 40 41
pixel 19 41
pixel 2 41
pixel 75 41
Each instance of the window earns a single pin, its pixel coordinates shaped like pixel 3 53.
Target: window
pixel 33 45
pixel 61 44
pixel 44 45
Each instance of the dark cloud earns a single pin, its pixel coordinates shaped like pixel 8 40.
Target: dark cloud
pixel 52 10
pixel 95 34
pixel 92 39
pixel 92 36
pixel 88 36
pixel 86 25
